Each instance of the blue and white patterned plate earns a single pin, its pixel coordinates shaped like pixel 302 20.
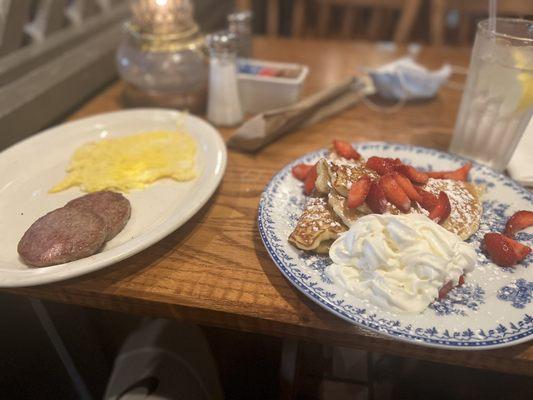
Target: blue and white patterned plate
pixel 492 309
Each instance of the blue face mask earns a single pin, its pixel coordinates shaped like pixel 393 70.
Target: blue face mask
pixel 404 79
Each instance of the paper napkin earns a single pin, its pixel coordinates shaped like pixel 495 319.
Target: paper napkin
pixel 267 127
pixel 521 165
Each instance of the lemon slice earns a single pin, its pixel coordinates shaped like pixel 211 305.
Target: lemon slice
pixel 526 82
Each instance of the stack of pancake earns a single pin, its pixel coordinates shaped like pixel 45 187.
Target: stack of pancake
pixel 326 214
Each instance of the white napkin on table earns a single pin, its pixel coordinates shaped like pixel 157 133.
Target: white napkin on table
pixel 268 126
pixel 521 165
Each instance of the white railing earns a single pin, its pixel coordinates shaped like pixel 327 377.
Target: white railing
pixel 23 22
pixel 53 55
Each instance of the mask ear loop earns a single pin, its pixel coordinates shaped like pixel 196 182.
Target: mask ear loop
pixel 394 108
pixel 457 70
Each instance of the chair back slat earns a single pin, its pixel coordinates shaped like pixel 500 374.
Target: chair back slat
pixel 380 16
pixel 13 16
pixel 273 18
pixel 321 13
pixel 469 13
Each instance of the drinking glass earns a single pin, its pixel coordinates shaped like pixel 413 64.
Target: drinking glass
pixel 497 102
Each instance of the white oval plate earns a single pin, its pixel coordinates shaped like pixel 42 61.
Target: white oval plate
pixel 492 309
pixel 31 167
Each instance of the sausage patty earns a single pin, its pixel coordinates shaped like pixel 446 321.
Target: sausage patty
pixel 62 235
pixel 112 207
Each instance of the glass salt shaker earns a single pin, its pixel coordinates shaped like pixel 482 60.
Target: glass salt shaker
pixel 223 106
pixel 240 23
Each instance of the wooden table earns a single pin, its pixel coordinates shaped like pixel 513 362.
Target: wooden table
pixel 214 270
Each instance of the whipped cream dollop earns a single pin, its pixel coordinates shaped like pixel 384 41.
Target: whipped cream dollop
pixel 398 262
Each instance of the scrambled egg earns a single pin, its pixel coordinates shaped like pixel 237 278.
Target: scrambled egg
pixel 131 162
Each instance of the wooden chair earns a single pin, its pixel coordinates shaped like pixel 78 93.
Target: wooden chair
pixel 468 11
pixel 273 15
pixel 380 16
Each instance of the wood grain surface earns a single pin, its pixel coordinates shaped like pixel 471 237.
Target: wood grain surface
pixel 214 270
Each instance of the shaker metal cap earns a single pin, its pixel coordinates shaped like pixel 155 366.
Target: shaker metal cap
pixel 242 16
pixel 222 41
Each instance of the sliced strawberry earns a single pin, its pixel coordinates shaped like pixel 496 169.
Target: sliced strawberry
pixel 300 171
pixel 407 187
pixel 394 193
pixel 504 251
pixel 309 183
pixel 520 249
pixel 498 249
pixel 379 164
pixel 460 174
pixel 345 149
pixel 383 165
pixel 413 174
pixel 520 220
pixel 359 192
pixel 427 200
pixel 376 200
pixel 443 292
pixel 442 210
pixel 437 174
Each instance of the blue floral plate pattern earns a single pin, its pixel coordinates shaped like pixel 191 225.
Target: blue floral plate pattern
pixel 492 309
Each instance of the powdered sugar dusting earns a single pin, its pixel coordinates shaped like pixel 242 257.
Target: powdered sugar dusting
pixel 465 212
pixel 317 223
pixel 466 208
pixel 344 172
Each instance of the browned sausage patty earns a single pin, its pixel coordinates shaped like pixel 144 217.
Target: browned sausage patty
pixel 62 235
pixel 112 207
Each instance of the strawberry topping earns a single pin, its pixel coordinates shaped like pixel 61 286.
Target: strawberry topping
pixel 345 149
pixel 407 187
pixel 359 192
pixel 427 200
pixel 442 210
pixel 413 174
pixel 309 183
pixel 376 200
pixel 460 174
pixel 394 193
pixel 300 171
pixel 445 289
pixel 443 292
pixel 504 251
pixel 520 220
pixel 383 165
